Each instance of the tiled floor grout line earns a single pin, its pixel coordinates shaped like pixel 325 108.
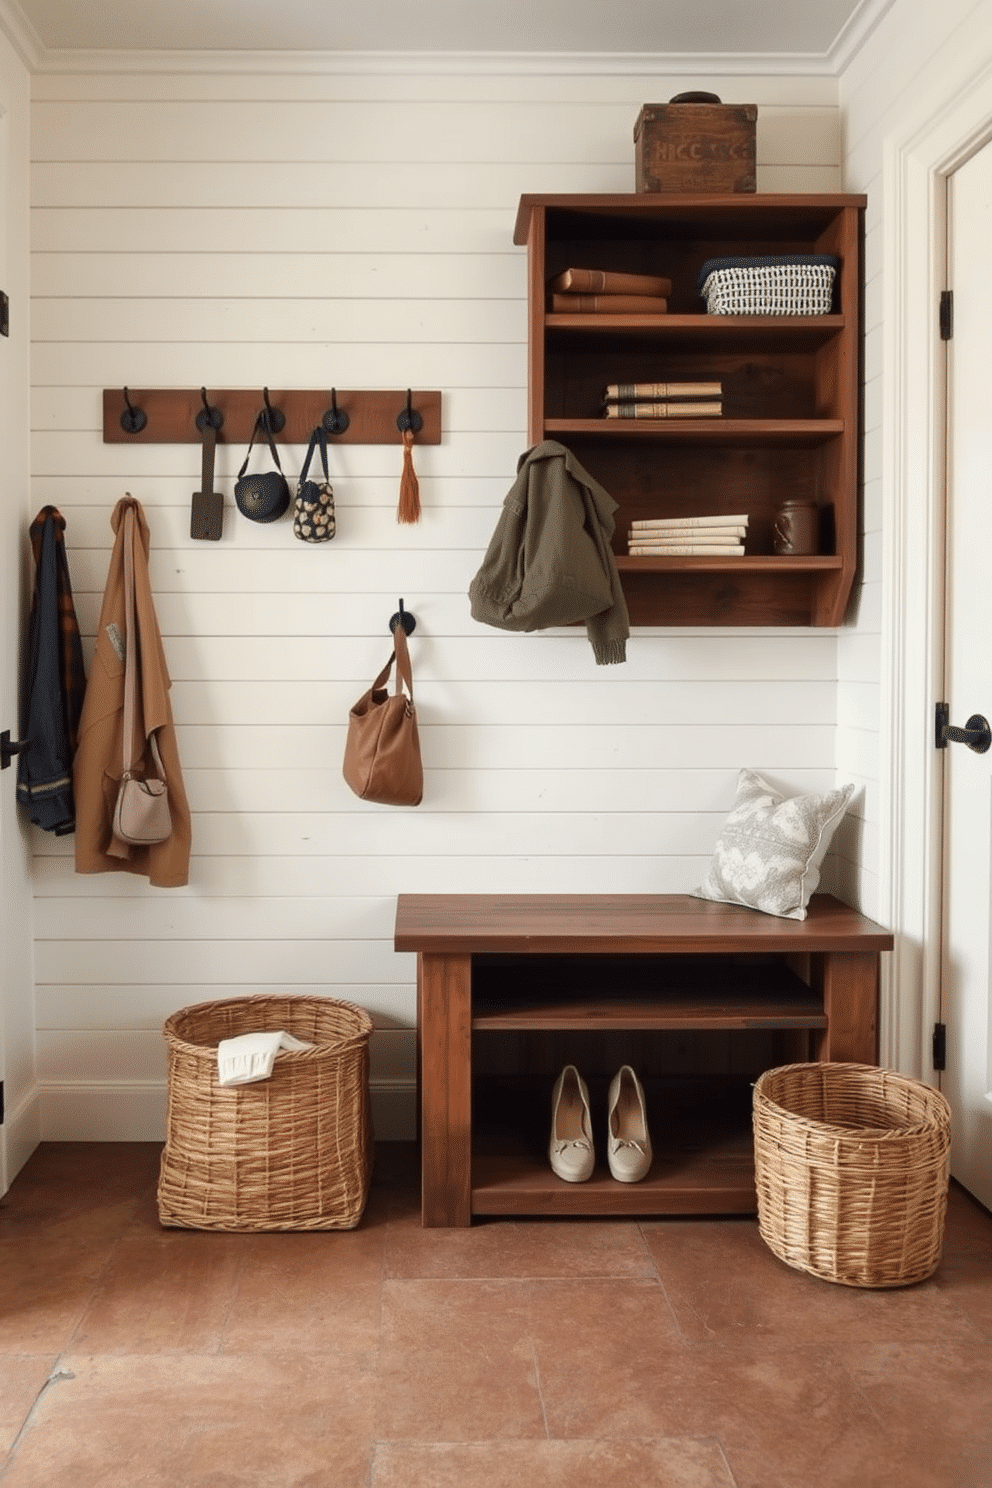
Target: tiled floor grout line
pixel 55 1374
pixel 540 1392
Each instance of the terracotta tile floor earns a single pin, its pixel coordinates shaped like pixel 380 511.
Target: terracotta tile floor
pixel 516 1354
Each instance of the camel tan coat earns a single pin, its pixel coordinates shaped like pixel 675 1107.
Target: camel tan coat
pixel 98 764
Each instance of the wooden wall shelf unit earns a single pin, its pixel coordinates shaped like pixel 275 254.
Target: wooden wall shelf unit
pixel 791 394
pixel 668 972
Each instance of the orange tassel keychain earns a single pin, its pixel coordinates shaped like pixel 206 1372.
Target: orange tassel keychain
pixel 408 509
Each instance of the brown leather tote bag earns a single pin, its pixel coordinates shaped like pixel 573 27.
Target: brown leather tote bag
pixel 382 751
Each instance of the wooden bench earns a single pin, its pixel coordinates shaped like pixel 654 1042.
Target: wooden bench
pixel 547 966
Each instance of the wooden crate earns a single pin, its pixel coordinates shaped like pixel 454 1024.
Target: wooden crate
pixel 702 148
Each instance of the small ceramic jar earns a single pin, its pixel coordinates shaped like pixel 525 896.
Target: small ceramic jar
pixel 796 528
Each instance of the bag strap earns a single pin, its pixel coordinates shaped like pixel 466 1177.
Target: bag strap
pixel 318 437
pixel 404 671
pixel 261 423
pixel 131 652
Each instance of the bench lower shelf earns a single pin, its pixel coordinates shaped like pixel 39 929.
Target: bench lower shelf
pixel 719 1180
pixel 703 1154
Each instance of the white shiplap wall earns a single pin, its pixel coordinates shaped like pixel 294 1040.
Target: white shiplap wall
pixel 194 229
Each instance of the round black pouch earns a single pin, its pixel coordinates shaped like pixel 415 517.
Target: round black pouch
pixel 265 497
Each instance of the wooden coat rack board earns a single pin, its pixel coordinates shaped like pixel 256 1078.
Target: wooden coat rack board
pixel 170 415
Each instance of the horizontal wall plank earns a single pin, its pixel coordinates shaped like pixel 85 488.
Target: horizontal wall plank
pixel 646 870
pixel 264 215
pixel 310 363
pixel 440 210
pixel 313 916
pixel 233 963
pixel 143 1008
pixel 97 1053
pixel 465 790
pixel 403 274
pixel 327 318
pixel 414 832
pixel 481 454
pixel 264 876
pixel 380 131
pixel 325 79
pixel 499 655
pixel 476 705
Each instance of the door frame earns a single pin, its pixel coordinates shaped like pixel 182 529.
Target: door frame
pixel 948 125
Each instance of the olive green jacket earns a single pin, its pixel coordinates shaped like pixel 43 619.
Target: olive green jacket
pixel 549 561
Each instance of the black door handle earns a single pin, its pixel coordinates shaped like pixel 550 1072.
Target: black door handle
pixel 9 747
pixel 976 734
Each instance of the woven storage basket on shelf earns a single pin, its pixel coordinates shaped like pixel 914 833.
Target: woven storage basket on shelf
pixel 793 284
pixel 292 1152
pixel 852 1165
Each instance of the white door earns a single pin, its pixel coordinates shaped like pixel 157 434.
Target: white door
pixel 966 957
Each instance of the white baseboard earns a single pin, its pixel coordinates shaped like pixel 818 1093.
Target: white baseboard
pixel 20 1134
pixel 134 1111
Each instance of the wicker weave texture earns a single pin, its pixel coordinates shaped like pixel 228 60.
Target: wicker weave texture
pixel 293 1152
pixel 852 1165
pixel 774 290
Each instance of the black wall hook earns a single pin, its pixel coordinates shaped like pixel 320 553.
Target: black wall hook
pixel 335 420
pixel 404 618
pixel 273 418
pixel 133 419
pixel 208 418
pixel 408 417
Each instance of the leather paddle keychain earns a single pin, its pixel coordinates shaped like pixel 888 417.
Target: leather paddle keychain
pixel 206 518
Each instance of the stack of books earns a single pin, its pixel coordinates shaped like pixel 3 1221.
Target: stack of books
pixel 604 292
pixel 663 400
pixel 681 537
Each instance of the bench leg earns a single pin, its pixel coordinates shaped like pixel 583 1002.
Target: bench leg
pixel 850 1001
pixel 444 1023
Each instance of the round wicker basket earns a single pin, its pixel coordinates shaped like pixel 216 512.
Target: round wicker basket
pixel 852 1165
pixel 293 1152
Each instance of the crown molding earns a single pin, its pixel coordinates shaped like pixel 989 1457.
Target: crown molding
pixel 41 59
pixel 852 37
pixel 21 34
pixel 443 64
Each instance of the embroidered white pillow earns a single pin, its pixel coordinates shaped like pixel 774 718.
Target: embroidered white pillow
pixel 769 854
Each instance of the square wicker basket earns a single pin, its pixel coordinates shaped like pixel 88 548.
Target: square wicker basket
pixel 293 1152
pixel 852 1165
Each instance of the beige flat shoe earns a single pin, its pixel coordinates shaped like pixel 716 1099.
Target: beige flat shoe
pixel 571 1148
pixel 628 1143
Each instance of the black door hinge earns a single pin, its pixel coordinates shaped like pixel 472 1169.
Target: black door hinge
pixel 940 1046
pixel 946 314
pixel 4 314
pixel 1 1103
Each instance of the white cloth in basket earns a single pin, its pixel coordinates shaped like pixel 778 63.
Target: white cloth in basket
pixel 252 1056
